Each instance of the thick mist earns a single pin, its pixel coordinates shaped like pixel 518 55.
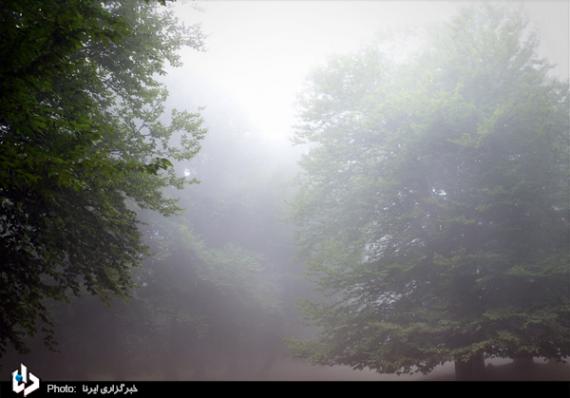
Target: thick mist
pixel 287 196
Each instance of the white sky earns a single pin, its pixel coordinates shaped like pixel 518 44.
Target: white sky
pixel 259 53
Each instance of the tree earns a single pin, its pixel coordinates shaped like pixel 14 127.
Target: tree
pixel 433 205
pixel 82 145
pixel 215 306
pixel 198 312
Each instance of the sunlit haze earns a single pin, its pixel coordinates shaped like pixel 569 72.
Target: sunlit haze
pixel 260 53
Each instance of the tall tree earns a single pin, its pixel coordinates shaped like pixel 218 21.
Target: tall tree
pixel 433 206
pixel 82 144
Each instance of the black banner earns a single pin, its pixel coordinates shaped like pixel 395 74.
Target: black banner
pixel 139 389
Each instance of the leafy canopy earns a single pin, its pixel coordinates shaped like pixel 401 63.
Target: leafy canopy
pixel 82 143
pixel 433 207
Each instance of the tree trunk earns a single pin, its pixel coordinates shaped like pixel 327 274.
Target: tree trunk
pixel 523 366
pixel 473 369
pixel 523 361
pixel 170 358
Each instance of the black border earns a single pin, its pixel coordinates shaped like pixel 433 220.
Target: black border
pixel 423 389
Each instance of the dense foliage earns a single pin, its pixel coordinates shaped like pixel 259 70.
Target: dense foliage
pixel 211 298
pixel 433 206
pixel 198 313
pixel 83 142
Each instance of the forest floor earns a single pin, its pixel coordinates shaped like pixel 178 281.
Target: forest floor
pixel 496 370
pixel 296 370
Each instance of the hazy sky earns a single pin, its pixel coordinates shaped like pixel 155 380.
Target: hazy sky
pixel 259 53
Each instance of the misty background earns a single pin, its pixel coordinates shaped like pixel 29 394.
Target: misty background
pixel 218 298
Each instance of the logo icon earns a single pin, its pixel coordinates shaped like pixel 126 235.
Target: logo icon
pixel 20 379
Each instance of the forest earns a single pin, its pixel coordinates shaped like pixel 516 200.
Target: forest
pixel 195 190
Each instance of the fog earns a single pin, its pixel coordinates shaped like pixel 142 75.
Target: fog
pixel 287 94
